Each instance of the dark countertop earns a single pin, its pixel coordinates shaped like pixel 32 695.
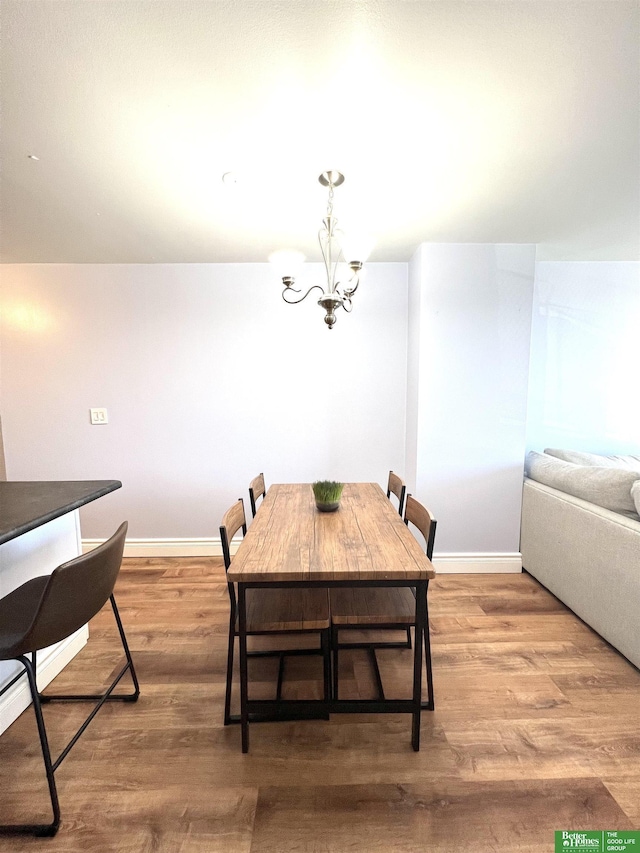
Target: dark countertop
pixel 27 505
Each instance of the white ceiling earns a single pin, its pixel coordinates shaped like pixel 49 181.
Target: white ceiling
pixel 513 121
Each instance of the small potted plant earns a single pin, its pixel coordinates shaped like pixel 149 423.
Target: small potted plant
pixel 327 494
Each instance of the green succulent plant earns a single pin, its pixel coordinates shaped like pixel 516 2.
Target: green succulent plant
pixel 327 491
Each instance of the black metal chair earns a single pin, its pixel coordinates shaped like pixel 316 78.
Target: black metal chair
pixel 397 487
pixel 379 608
pixel 256 490
pixel 46 610
pixel 273 612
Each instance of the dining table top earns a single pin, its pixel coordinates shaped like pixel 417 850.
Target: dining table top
pixel 290 540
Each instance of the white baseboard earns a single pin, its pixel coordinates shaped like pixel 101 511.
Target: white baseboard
pixel 488 564
pixel 211 547
pixel 465 563
pixel 50 663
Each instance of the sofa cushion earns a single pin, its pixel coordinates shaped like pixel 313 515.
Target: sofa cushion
pixel 580 457
pixel 635 494
pixel 632 463
pixel 607 487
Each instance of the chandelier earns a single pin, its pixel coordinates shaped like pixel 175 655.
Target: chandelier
pixel 335 249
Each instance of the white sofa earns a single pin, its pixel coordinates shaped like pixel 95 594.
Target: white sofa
pixel 586 554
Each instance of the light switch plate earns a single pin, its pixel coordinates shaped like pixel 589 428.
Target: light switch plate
pixel 99 416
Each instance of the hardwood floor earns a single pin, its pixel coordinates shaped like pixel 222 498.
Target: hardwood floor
pixel 535 730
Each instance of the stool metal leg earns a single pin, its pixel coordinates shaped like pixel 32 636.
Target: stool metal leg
pixel 133 697
pixel 108 696
pixel 38 829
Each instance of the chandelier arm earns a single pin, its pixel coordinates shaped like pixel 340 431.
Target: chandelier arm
pixel 348 291
pixel 352 290
pixel 347 301
pixel 296 301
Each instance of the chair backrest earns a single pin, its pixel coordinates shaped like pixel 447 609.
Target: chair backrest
pixel 232 521
pixel 396 485
pixel 75 592
pixel 256 490
pixel 423 519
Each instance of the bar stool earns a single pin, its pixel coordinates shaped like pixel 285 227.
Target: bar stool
pixel 46 610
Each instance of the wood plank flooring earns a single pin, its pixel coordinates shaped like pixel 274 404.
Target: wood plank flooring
pixel 535 730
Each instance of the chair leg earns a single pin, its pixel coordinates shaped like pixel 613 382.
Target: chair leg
pixel 408 638
pixel 325 640
pixel 42 830
pixel 280 677
pixel 227 697
pixel 376 672
pixel 334 650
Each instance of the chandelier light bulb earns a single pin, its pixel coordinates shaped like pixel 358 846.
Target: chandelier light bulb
pixel 356 246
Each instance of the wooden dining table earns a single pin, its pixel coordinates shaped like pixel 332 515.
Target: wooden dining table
pixel 363 544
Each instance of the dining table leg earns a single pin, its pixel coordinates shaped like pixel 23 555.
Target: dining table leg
pixel 430 704
pixel 421 621
pixel 244 679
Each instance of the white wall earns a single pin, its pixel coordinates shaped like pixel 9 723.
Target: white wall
pixel 473 355
pixel 208 378
pixel 584 382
